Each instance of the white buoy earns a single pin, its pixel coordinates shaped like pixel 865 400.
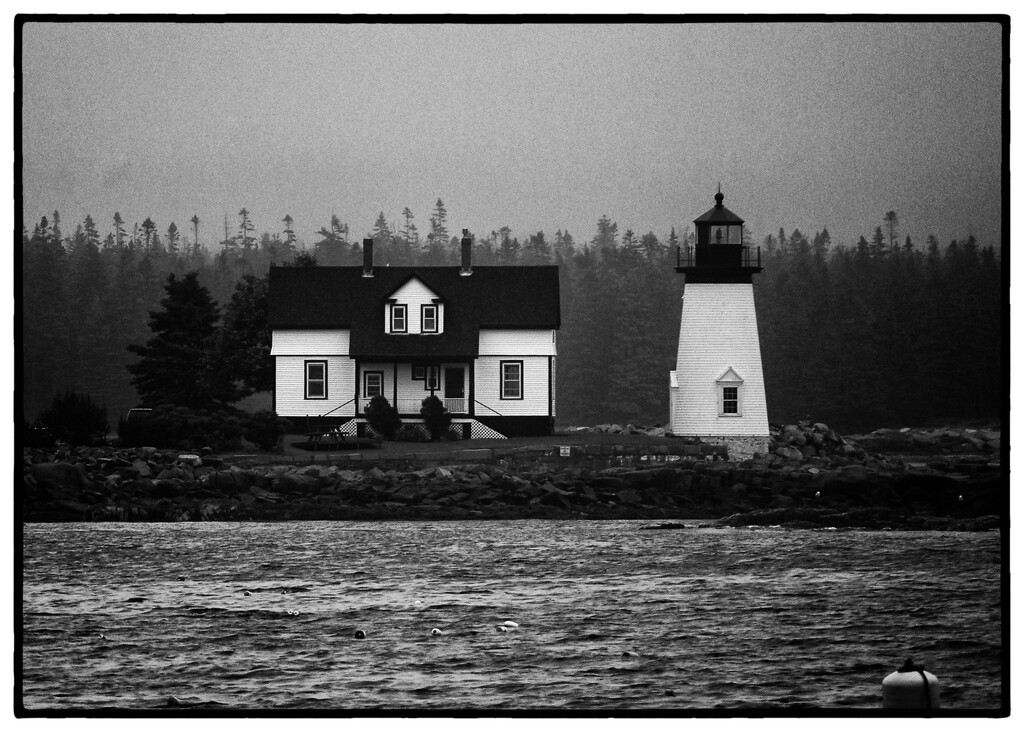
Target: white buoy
pixel 502 629
pixel 359 634
pixel 510 624
pixel 910 688
pixel 436 631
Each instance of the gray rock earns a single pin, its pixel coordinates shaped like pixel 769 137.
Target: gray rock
pixel 65 476
pixel 142 469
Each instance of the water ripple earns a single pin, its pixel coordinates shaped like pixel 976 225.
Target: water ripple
pixel 264 616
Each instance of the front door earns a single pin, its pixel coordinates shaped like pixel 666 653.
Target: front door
pixel 455 389
pixel 455 382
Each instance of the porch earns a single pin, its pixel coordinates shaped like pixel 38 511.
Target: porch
pixel 406 384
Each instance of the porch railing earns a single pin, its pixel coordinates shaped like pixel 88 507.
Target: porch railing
pixel 413 405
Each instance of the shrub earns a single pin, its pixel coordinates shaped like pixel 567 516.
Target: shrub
pixel 383 417
pixel 436 417
pixel 185 429
pixel 412 433
pixel 75 419
pixel 264 429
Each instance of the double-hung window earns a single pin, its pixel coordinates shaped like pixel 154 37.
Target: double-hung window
pixel 730 400
pixel 730 394
pixel 398 319
pixel 373 383
pixel 316 379
pixel 511 379
pixel 428 318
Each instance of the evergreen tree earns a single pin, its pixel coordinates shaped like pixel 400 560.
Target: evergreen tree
pixel 382 236
pixel 148 228
pixel 177 366
pixel 244 344
pixel 119 231
pixel 439 226
pixel 173 237
pixel 537 250
pixel 877 247
pixel 333 249
pixel 195 234
pixel 245 230
pixel 410 234
pixel 604 239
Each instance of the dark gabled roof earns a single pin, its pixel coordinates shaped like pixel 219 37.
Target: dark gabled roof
pixel 340 297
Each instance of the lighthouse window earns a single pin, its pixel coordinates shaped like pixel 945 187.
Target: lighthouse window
pixel 730 400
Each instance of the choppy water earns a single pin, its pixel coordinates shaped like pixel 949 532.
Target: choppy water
pixel 610 617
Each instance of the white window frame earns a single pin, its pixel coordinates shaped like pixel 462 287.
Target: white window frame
pixel 424 309
pixel 730 382
pixel 399 312
pixel 366 383
pixel 322 380
pixel 503 380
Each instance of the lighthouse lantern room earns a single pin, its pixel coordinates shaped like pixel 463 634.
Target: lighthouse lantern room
pixel 717 391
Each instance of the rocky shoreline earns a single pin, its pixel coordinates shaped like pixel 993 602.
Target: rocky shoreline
pixel 798 486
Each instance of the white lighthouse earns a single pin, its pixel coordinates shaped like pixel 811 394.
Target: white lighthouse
pixel 717 390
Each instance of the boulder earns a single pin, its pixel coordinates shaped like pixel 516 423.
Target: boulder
pixel 789 453
pixel 60 476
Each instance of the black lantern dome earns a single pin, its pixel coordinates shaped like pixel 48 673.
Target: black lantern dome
pixel 718 254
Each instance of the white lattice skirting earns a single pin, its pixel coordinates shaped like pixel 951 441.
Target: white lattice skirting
pixel 477 430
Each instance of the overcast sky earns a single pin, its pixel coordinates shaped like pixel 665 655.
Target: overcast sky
pixel 535 127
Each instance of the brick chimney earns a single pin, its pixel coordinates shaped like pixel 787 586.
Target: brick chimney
pixel 467 254
pixel 367 257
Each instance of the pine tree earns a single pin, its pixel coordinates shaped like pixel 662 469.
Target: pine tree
pixel 439 234
pixel 148 227
pixel 119 230
pixel 178 365
pixel 245 229
pixel 173 237
pixel 244 340
pixel 195 234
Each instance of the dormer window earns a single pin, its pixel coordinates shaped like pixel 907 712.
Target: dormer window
pixel 428 318
pixel 399 319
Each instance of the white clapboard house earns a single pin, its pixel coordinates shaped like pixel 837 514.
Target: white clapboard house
pixel 482 339
pixel 717 390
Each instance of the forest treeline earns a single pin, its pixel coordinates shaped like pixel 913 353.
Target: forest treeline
pixel 874 334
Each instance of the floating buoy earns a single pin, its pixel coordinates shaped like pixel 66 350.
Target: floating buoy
pixel 817 494
pixel 502 629
pixel 246 593
pixel 359 634
pixel 510 624
pixel 910 688
pixel 436 631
